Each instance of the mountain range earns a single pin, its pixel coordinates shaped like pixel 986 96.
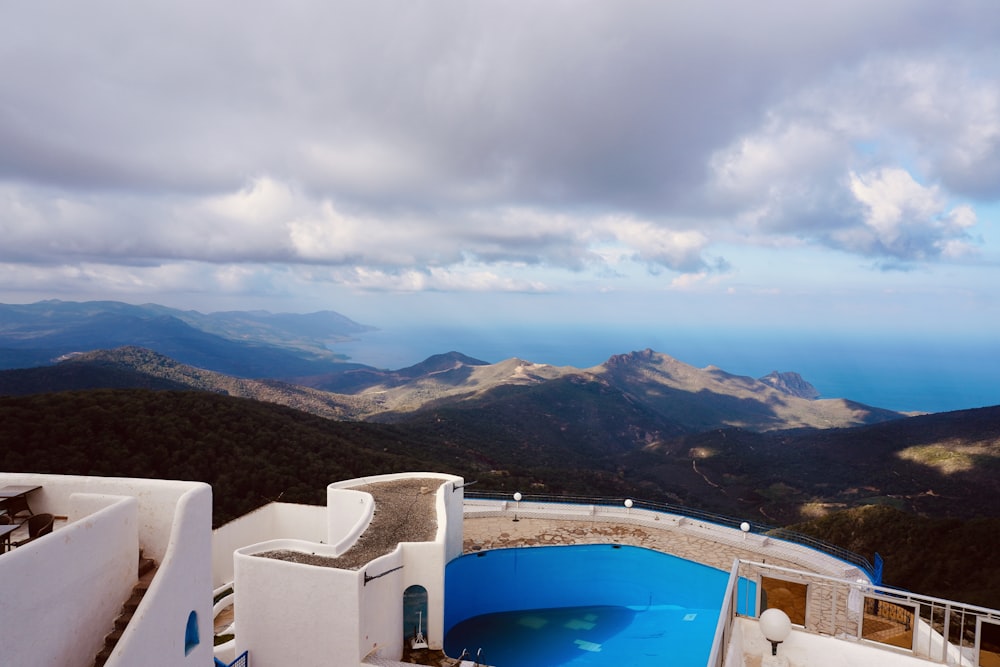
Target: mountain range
pixel 702 436
pixel 240 343
pixel 286 359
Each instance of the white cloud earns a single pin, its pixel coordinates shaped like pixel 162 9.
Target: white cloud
pixel 469 278
pixel 680 250
pixel 905 220
pixel 833 164
pixel 457 146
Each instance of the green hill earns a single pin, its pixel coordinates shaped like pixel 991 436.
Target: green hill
pixel 946 558
pixel 253 452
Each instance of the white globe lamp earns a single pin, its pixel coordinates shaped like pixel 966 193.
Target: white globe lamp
pixel 776 627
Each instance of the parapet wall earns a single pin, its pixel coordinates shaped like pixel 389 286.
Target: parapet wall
pixel 490 524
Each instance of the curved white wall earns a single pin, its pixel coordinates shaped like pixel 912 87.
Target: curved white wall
pixel 183 584
pixel 62 592
pixel 291 613
pixel 271 522
pixel 294 614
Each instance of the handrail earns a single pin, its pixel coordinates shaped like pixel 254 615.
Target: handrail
pixel 774 532
pixel 723 629
pixel 944 631
pixel 242 660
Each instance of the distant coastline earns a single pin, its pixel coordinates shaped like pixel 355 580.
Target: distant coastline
pixel 917 375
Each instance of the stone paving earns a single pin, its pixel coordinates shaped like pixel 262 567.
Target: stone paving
pixel 498 532
pixel 404 512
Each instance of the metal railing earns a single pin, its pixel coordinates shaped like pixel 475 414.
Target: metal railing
pixel 243 660
pixel 774 532
pixel 724 628
pixel 938 630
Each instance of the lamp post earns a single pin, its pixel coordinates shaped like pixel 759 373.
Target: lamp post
pixel 628 505
pixel 776 627
pixel 517 501
pixel 745 527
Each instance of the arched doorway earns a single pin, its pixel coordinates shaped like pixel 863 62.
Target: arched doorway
pixel 414 612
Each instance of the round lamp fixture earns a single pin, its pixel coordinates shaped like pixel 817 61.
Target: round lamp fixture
pixel 776 627
pixel 745 527
pixel 628 503
pixel 517 496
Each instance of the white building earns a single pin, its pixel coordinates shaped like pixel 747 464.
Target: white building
pixel 325 585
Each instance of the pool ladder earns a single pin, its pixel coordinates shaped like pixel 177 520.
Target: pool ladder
pixel 465 654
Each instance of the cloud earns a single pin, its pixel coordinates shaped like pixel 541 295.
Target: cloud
pixel 839 163
pixel 452 145
pixel 680 250
pixel 905 220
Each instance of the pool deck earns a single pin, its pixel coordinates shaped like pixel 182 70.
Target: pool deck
pixel 501 532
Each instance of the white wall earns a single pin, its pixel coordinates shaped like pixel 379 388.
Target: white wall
pixel 290 613
pixel 273 521
pixel 348 515
pixel 294 614
pixel 424 565
pixel 803 648
pixel 381 607
pixel 60 594
pixel 183 583
pixel 171 521
pixel 157 499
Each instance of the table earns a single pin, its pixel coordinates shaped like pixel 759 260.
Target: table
pixel 15 498
pixel 5 531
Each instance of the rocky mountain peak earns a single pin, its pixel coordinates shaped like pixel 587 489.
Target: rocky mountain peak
pixel 790 383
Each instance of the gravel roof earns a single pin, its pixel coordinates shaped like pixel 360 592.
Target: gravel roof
pixel 404 512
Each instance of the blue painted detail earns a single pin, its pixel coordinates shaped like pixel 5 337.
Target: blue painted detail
pixel 191 638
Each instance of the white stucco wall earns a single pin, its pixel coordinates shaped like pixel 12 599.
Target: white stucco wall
pixel 381 607
pixel 803 648
pixel 157 499
pixel 291 613
pixel 423 565
pixel 67 593
pixel 294 614
pixel 273 521
pixel 60 594
pixel 348 515
pixel 183 584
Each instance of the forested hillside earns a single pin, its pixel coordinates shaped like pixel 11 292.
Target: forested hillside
pixel 249 452
pixel 252 453
pixel 947 558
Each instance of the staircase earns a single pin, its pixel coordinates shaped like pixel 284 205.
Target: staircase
pixel 147 570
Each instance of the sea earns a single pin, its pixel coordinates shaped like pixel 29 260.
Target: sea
pixel 917 374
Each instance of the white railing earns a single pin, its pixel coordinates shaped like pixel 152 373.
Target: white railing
pixel 942 631
pixel 720 645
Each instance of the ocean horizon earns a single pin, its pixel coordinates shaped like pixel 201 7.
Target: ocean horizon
pixel 918 375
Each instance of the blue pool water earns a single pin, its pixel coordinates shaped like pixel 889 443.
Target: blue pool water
pixel 585 605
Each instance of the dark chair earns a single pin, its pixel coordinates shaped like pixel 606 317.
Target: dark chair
pixel 16 505
pixel 5 520
pixel 38 525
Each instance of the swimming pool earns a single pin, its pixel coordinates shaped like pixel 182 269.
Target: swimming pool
pixel 583 605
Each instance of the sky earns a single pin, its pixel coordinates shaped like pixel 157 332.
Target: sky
pixel 714 165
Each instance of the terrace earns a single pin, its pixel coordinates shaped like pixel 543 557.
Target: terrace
pixel 117 549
